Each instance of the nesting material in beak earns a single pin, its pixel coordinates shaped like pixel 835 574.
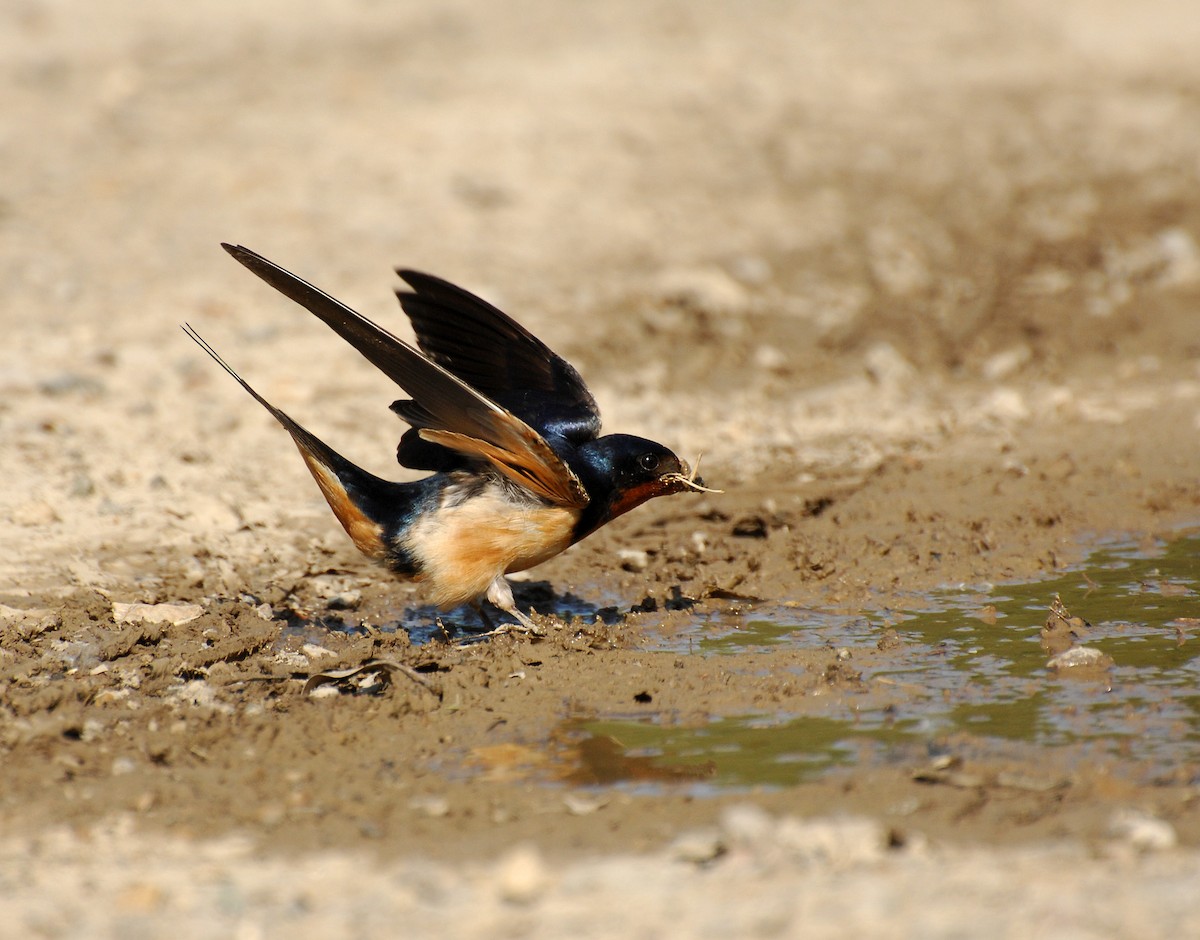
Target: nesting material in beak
pixel 691 480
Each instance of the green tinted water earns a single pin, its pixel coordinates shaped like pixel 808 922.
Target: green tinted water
pixel 971 668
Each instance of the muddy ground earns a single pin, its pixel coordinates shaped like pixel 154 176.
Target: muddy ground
pixel 922 285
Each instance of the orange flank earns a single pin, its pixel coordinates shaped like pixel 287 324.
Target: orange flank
pixel 461 548
pixel 367 534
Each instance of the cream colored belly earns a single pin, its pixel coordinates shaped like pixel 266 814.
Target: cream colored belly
pixel 462 549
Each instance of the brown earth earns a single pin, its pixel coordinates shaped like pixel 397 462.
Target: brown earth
pixel 923 286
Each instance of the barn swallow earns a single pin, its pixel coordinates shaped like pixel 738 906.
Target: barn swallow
pixel 509 429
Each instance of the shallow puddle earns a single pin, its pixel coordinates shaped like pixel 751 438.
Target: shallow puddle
pixel 970 668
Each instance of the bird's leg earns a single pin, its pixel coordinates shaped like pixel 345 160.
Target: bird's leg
pixel 500 594
pixel 483 616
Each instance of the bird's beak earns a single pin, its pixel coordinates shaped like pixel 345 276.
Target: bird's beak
pixel 688 479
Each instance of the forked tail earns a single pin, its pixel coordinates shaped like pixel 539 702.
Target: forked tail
pixel 365 505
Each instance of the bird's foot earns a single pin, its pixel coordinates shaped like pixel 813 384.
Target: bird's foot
pixel 524 625
pixel 500 594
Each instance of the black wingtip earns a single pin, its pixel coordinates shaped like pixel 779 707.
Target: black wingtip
pixel 424 283
pixel 244 255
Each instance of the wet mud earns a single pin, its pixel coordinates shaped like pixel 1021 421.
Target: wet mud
pixel 232 714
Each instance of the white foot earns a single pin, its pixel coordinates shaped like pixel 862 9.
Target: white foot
pixel 500 594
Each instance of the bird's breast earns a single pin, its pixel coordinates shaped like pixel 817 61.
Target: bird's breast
pixel 462 545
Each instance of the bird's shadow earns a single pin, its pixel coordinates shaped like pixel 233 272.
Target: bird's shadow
pixel 424 622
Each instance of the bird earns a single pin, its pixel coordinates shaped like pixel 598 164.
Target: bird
pixel 508 430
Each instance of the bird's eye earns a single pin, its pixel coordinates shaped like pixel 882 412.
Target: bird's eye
pixel 648 461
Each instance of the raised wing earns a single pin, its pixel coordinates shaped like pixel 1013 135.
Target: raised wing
pixel 494 354
pixel 442 402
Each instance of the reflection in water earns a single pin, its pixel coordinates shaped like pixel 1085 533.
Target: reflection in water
pixel 602 759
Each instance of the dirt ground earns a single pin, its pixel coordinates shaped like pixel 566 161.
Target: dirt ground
pixel 922 283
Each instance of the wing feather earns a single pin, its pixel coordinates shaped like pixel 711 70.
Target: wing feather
pixel 449 403
pixel 493 353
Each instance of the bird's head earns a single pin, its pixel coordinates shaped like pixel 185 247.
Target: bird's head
pixel 631 470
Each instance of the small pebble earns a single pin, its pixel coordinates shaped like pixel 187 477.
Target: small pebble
pixel 746 824
pixel 346 600
pixel 1004 364
pixel 1078 657
pixel 697 846
pixel 633 559
pixel 884 363
pixel 1142 831
pixel 431 805
pixel 522 876
pixel 580 804
pixel 703 288
pixel 770 358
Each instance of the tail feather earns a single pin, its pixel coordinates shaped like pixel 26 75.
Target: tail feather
pixel 359 499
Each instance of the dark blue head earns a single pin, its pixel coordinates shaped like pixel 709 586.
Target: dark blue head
pixel 620 472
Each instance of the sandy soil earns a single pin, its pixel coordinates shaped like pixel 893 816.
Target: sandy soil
pixel 921 284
